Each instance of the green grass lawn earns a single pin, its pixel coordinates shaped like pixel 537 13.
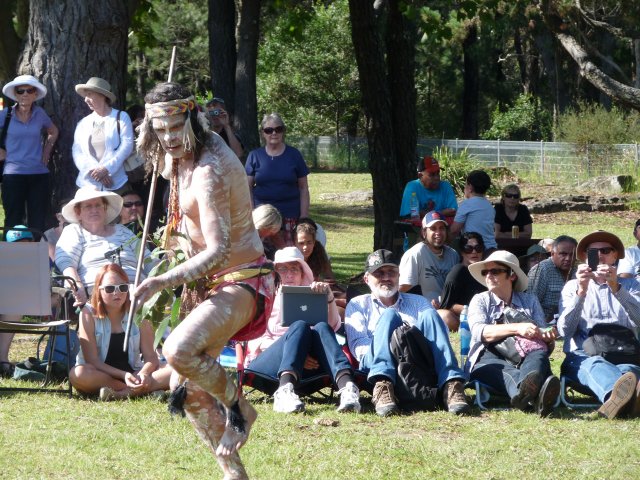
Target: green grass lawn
pixel 51 436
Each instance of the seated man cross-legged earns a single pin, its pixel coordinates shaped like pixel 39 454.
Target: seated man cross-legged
pixel 370 321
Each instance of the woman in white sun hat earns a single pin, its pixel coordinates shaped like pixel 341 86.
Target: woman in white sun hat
pixel 510 342
pixel 103 139
pixel 85 245
pixel 25 187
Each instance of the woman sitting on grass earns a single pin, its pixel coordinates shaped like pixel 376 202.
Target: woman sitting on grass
pixel 510 343
pixel 102 365
pixel 294 352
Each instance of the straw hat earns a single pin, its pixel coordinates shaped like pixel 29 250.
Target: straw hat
pixel 292 254
pixel 96 84
pixel 506 258
pixel 9 89
pixel 114 204
pixel 599 236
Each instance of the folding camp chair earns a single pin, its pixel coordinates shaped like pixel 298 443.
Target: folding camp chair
pixel 570 399
pixel 26 291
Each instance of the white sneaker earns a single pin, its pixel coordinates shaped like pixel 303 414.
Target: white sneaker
pixel 285 400
pixel 349 398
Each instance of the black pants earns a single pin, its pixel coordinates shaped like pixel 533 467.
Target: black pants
pixel 26 200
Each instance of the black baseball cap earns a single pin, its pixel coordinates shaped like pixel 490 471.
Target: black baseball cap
pixel 378 259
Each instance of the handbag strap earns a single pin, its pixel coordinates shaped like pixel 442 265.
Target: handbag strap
pixel 5 127
pixel 118 127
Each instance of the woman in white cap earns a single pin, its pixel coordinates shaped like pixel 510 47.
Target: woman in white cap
pixel 510 343
pixel 103 139
pixel 91 242
pixel 297 351
pixel 25 187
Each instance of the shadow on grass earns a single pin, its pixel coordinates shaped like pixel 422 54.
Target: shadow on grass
pixel 335 216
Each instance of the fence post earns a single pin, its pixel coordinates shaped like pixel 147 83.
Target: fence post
pixel 636 144
pixel 499 153
pixel 349 153
pixel 456 146
pixel 542 159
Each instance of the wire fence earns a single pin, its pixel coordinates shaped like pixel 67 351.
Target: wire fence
pixel 545 160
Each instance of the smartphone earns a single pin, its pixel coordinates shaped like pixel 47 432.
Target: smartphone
pixel 592 259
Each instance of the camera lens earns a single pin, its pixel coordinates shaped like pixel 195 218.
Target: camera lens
pixel 215 113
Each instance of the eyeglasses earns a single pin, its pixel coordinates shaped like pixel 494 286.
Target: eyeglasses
pixel 270 130
pixel 22 91
pixel 391 273
pixel 604 250
pixel 122 288
pixel 494 271
pixel 473 248
pixel 512 195
pixel 285 270
pixel 137 203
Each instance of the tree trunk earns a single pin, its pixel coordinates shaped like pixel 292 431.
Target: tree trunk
pixel 67 43
pixel 11 36
pixel 471 84
pixel 222 50
pixel 389 170
pixel 246 104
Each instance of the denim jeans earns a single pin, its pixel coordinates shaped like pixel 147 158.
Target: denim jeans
pixel 504 377
pixel 288 353
pixel 25 199
pixel 595 372
pixel 379 361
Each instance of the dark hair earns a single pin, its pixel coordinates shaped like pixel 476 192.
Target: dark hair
pixel 165 92
pixel 465 237
pixel 480 181
pixel 215 100
pixel 318 261
pixel 135 112
pixel 564 238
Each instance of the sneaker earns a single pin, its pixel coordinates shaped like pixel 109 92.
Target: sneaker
pixel 621 395
pixel 454 398
pixel 548 396
pixel 349 398
pixel 285 400
pixel 384 398
pixel 527 391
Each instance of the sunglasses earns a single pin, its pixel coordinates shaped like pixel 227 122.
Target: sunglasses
pixel 494 271
pixel 604 250
pixel 270 130
pixel 473 248
pixel 512 195
pixel 137 203
pixel 22 91
pixel 122 288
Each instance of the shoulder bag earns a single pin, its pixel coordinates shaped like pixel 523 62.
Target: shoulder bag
pixel 516 347
pixel 614 343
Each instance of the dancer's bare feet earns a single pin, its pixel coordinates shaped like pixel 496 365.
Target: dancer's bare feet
pixel 240 418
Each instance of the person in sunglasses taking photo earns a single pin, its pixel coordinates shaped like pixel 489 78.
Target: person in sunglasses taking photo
pixel 597 298
pixel 277 175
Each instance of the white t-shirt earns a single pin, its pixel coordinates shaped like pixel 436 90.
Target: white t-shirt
pixel 631 261
pixel 420 266
pixel 478 216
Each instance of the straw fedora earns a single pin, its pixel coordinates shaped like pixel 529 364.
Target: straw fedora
pixel 9 89
pixel 599 236
pixel 292 254
pixel 506 258
pixel 114 203
pixel 96 84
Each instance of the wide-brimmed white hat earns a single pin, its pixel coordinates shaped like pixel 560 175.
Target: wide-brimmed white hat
pixel 10 88
pixel 96 84
pixel 114 203
pixel 292 254
pixel 506 258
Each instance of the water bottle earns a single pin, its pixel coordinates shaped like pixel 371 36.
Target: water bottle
pixel 465 335
pixel 414 208
pixel 405 242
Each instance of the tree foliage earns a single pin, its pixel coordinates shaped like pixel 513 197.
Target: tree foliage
pixel 525 120
pixel 592 123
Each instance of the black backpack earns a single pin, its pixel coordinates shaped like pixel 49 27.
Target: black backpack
pixel 417 384
pixel 614 343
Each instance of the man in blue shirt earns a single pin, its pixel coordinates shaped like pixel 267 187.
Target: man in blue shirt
pixel 377 315
pixel 432 193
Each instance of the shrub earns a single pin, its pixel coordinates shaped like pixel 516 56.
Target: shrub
pixel 593 123
pixel 526 120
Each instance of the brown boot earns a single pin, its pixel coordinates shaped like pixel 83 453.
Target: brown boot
pixel 384 398
pixel 454 398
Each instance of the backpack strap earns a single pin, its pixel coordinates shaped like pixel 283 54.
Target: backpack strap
pixel 5 128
